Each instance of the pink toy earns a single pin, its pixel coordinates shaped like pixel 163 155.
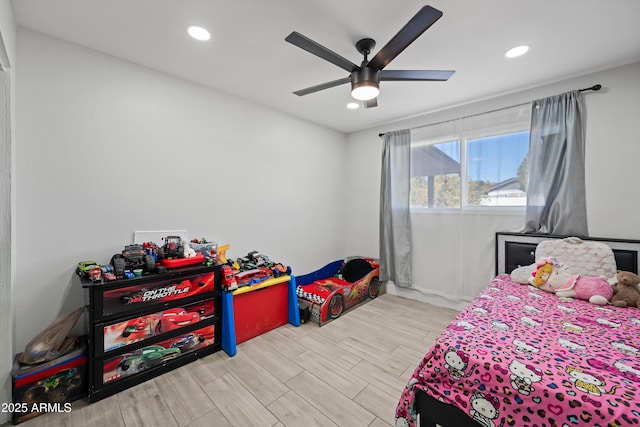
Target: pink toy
pixel 593 289
pixel 555 277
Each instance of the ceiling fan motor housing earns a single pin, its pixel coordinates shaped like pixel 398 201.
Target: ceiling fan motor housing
pixel 364 77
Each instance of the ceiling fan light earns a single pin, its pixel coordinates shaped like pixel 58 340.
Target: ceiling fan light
pixel 365 91
pixel 364 84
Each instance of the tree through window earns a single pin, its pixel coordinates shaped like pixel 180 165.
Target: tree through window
pixel 477 161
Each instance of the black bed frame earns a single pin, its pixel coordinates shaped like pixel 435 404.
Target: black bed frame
pixel 515 250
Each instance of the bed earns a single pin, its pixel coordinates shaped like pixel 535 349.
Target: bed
pixel 519 356
pixel 337 287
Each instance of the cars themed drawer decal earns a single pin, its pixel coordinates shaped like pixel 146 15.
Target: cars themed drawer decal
pixel 129 298
pixel 139 328
pixel 142 359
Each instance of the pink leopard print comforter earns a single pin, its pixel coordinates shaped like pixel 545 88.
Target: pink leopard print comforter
pixel 521 357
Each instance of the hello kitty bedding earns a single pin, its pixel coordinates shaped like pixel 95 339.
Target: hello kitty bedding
pixel 518 356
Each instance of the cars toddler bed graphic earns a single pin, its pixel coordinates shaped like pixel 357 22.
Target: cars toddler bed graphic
pixel 338 287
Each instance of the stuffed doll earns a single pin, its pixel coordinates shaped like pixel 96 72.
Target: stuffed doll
pixel 553 276
pixel 625 293
pixel 549 274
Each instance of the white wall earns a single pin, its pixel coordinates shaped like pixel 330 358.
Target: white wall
pixel 612 153
pixel 105 147
pixel 7 61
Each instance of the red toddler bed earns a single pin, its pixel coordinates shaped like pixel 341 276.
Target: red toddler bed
pixel 338 287
pixel 518 356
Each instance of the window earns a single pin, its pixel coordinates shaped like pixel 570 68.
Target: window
pixel 471 162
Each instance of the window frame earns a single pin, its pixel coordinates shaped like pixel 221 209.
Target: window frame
pixel 463 136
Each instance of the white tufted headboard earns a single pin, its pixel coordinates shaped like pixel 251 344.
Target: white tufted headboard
pixel 588 258
pixel 518 249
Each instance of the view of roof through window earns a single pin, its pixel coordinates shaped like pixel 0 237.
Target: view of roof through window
pixel 496 172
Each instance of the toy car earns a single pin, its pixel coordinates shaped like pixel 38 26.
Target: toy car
pixel 145 358
pixel 172 248
pixel 255 260
pixel 89 269
pixel 107 272
pixel 109 276
pixel 132 257
pixel 279 269
pixel 175 318
pixel 229 281
pixel 188 342
pixel 251 277
pixel 151 248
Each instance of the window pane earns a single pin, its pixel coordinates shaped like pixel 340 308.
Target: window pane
pixel 435 175
pixel 478 160
pixel 497 170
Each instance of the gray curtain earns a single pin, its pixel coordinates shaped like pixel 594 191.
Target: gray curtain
pixel 556 191
pixel 395 220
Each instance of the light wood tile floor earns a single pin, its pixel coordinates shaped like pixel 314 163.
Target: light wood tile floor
pixel 348 373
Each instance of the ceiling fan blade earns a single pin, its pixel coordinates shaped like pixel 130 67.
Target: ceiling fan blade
pixel 371 103
pixel 303 42
pixel 411 31
pixel 322 86
pixel 415 75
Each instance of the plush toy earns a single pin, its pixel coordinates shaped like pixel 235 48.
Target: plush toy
pixel 189 252
pixel 549 274
pixel 625 293
pixel 553 276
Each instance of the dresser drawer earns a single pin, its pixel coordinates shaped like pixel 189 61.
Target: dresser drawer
pixel 143 295
pixel 114 336
pixel 153 356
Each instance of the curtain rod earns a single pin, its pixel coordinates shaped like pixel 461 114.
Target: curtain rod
pixel 594 88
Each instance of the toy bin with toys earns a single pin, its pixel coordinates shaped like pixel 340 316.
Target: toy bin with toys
pixel 49 386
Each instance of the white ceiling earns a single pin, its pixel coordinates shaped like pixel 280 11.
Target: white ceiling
pixel 248 57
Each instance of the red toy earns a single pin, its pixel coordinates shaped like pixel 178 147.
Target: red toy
pixel 172 248
pixel 251 277
pixel 339 286
pixel 229 281
pixel 182 262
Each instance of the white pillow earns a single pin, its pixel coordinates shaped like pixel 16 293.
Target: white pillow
pixel 523 274
pixel 587 258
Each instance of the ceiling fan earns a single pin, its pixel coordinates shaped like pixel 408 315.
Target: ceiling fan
pixel 365 79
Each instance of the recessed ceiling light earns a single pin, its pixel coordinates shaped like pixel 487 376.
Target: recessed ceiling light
pixel 198 33
pixel 517 51
pixel 353 105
